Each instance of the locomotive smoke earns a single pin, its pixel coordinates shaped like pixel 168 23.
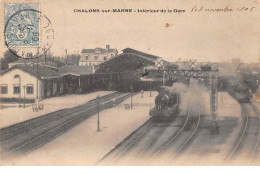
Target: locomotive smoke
pixel 191 96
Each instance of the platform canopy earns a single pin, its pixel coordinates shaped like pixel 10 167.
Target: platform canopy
pixel 125 62
pixel 134 63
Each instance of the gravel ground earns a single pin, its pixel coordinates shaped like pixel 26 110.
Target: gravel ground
pixel 207 149
pixel 13 114
pixel 83 145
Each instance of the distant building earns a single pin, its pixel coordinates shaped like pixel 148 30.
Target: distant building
pixel 93 57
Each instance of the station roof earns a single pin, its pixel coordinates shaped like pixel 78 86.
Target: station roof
pixel 45 72
pixel 125 62
pixel 149 56
pixel 75 70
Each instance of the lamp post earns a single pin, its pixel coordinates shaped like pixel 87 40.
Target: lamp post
pixel 150 88
pixel 131 97
pixel 37 81
pixel 98 129
pixel 20 92
pixel 17 76
pixel 163 76
pixel 23 96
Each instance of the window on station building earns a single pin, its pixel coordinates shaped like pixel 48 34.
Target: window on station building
pixel 86 57
pixel 17 76
pixel 96 57
pixel 17 89
pixel 29 89
pixel 4 89
pixel 105 58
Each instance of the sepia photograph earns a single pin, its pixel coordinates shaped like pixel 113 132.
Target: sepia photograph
pixel 130 83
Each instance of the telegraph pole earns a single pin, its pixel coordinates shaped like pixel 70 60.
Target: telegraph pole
pixel 20 89
pixel 131 97
pixel 66 56
pixel 98 127
pixel 150 88
pixel 37 88
pixel 213 79
pixel 45 56
pixel 163 76
pixel 23 96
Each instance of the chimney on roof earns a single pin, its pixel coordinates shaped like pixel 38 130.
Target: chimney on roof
pixel 107 47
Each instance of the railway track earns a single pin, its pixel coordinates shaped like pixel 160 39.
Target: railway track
pixel 180 135
pixel 253 154
pixel 117 152
pixel 248 141
pixel 128 147
pixel 25 126
pixel 30 139
pixel 150 132
pixel 181 149
pixel 151 144
pixel 137 140
pixel 154 134
pixel 172 139
pixel 240 139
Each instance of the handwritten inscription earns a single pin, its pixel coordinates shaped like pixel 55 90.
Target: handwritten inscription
pixel 225 9
pixel 194 9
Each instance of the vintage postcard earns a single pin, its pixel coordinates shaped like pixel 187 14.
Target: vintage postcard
pixel 120 82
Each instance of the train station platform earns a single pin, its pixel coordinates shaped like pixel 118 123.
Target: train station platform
pixel 83 145
pixel 11 114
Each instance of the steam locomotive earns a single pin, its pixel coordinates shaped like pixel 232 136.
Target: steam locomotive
pixel 167 105
pixel 240 92
pixel 236 87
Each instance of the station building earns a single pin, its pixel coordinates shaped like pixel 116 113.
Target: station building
pixel 39 82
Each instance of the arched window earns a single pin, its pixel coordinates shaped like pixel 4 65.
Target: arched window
pixel 16 87
pixel 17 76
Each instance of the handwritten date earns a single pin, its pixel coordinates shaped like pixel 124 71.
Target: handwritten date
pixel 226 9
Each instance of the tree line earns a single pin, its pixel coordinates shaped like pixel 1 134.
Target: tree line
pixel 71 59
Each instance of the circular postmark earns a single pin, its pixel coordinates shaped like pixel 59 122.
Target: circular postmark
pixel 28 34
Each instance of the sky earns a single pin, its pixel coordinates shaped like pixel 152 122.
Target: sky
pixel 205 36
